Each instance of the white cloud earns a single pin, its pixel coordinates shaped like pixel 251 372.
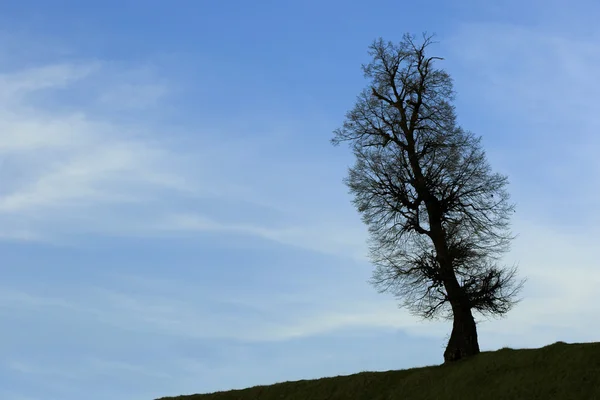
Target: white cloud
pixel 533 73
pixel 330 236
pixel 60 163
pixel 99 365
pixel 74 170
pixel 536 101
pixel 134 96
pixel 27 368
pixel 537 97
pixel 560 294
pixel 82 169
pixel 201 317
pixel 16 85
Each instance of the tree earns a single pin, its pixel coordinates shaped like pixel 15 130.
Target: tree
pixel 438 218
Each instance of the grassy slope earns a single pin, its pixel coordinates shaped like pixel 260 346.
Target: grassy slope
pixel 559 371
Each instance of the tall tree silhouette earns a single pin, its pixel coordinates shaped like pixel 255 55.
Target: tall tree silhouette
pixel 438 217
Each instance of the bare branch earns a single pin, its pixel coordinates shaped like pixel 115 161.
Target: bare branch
pixel 438 218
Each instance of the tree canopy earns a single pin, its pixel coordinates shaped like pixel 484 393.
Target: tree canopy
pixel 438 217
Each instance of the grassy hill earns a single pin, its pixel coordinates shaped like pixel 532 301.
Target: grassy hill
pixel 559 371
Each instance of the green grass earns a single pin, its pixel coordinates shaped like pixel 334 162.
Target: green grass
pixel 559 371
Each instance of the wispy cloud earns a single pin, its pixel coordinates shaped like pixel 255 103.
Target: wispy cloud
pixel 560 293
pixel 84 169
pixel 61 163
pixel 70 166
pixel 77 160
pixel 536 111
pixel 342 238
pixel 536 101
pixel 17 85
pixel 26 368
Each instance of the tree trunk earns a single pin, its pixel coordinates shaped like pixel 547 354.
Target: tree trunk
pixel 463 340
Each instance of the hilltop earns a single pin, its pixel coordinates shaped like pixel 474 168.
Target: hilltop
pixel 558 371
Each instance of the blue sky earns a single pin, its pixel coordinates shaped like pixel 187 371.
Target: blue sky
pixel 172 214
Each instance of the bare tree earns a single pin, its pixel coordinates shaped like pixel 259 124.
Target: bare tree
pixel 438 217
